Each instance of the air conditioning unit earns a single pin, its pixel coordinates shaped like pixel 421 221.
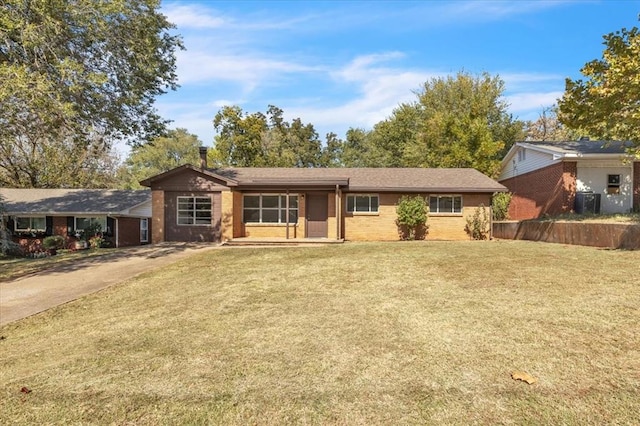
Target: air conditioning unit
pixel 587 202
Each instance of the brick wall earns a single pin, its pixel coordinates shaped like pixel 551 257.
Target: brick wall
pixel 550 190
pixel 157 207
pixel 128 231
pixel 636 186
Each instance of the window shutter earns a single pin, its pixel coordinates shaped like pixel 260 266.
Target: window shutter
pixel 11 225
pixel 70 226
pixel 49 225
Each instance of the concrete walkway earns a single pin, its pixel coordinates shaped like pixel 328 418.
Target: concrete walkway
pixel 38 292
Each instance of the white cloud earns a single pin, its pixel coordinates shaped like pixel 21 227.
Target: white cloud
pixel 192 16
pixel 529 105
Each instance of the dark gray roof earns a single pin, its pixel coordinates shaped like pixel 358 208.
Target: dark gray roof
pixel 585 146
pixel 68 201
pixel 367 179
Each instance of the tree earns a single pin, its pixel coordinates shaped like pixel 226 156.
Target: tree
pixel 160 155
pixel 548 128
pixel 459 121
pixel 265 140
pixel 7 246
pixel 74 77
pixel 607 104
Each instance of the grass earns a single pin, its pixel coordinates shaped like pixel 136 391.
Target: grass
pixel 395 333
pixel 14 267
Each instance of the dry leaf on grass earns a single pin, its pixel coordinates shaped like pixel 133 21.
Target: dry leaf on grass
pixel 525 377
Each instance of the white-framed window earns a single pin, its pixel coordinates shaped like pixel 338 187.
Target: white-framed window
pixel 269 208
pixel 194 211
pixel 522 154
pixel 144 230
pixel 30 223
pixel 445 204
pixel 613 184
pixel 362 203
pixel 84 222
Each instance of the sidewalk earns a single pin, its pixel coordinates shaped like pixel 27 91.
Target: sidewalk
pixel 35 293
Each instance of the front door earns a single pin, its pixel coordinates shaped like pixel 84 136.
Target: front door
pixel 317 214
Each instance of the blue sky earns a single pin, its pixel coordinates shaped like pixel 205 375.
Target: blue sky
pixel 342 64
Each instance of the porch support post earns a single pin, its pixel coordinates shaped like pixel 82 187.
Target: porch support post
pixel 287 214
pixel 338 210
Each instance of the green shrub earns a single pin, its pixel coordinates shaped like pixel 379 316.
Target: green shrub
pixel 96 242
pixel 412 217
pixel 500 205
pixel 478 226
pixel 54 242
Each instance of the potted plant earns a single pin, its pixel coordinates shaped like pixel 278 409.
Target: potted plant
pixel 53 243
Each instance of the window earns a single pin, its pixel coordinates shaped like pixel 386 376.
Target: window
pixel 84 222
pixel 445 204
pixel 613 184
pixel 144 230
pixel 522 154
pixel 269 208
pixel 23 224
pixel 194 211
pixel 362 203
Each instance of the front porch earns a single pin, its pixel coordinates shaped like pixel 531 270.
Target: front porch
pixel 274 241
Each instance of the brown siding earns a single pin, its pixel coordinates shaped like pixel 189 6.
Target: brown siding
pixel 128 231
pixel 189 180
pixel 547 191
pixel 636 186
pixel 175 232
pixel 382 226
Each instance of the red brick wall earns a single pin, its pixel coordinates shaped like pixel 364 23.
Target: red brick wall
pixel 547 191
pixel 636 186
pixel 128 231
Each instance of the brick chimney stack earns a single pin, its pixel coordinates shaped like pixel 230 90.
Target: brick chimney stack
pixel 203 157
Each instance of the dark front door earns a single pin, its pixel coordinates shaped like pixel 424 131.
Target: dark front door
pixel 317 213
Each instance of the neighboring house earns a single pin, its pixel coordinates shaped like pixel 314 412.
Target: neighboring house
pixel 551 178
pixel 200 204
pixel 123 215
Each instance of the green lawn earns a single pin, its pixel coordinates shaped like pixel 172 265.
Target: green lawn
pixel 395 333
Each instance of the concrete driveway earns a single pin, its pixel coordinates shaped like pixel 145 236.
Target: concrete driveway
pixel 38 292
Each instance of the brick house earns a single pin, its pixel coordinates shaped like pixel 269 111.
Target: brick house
pixel 32 214
pixel 201 204
pixel 551 178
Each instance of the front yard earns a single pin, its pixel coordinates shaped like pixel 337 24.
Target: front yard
pixel 378 333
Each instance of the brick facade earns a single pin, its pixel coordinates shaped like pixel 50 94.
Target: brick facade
pixel 547 191
pixel 128 232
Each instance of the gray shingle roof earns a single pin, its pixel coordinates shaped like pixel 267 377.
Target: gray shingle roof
pixel 67 201
pixel 585 146
pixel 369 179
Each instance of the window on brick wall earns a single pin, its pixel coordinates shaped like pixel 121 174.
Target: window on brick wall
pixel 445 204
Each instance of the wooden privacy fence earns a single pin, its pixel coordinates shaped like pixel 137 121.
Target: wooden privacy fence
pixel 610 235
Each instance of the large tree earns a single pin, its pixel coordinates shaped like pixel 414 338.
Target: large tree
pixel 459 121
pixel 160 155
pixel 265 140
pixel 607 103
pixel 75 76
pixel 548 128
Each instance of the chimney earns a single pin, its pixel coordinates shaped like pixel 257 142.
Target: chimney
pixel 203 157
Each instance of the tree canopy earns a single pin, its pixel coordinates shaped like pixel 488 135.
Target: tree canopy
pixel 267 140
pixel 606 104
pixel 74 77
pixel 459 121
pixel 164 153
